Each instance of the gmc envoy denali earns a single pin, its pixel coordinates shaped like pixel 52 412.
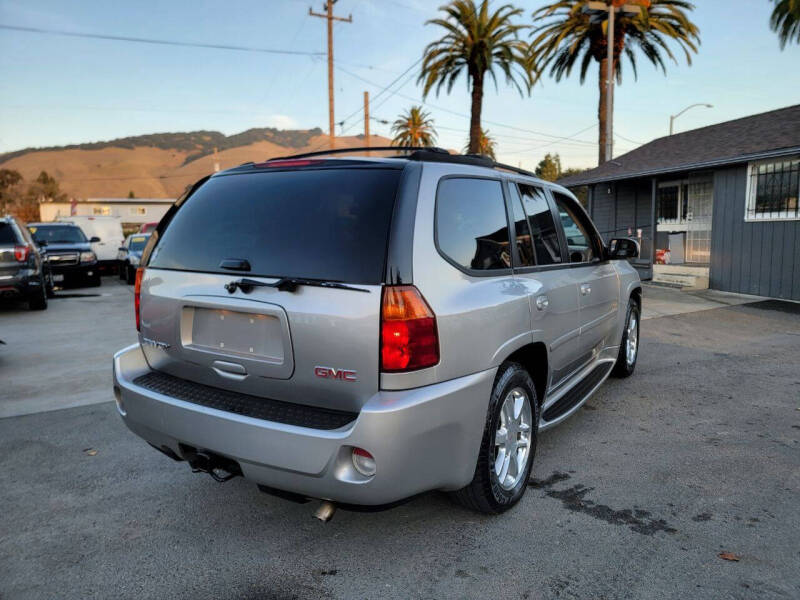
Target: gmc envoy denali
pixel 361 330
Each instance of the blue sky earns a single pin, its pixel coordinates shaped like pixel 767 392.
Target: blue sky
pixel 57 90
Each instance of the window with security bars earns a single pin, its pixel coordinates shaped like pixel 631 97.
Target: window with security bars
pixel 774 189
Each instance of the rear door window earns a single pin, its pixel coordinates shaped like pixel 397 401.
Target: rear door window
pixel 525 255
pixel 546 244
pixel 471 223
pixel 326 224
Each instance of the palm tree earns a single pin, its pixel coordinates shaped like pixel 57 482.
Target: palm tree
pixel 785 21
pixel 568 35
pixel 477 43
pixel 486 145
pixel 414 128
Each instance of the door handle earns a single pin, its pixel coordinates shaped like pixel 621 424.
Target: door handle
pixel 586 289
pixel 542 302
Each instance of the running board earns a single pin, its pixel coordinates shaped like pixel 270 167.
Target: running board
pixel 577 393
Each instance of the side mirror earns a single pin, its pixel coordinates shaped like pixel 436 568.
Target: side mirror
pixel 122 249
pixel 42 244
pixel 623 248
pixel 94 239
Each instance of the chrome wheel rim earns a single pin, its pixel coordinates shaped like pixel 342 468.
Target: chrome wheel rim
pixel 632 339
pixel 512 440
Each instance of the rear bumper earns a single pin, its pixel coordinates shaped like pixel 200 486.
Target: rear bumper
pixel 422 439
pixel 24 283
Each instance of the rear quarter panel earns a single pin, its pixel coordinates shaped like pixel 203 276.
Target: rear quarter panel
pixel 480 320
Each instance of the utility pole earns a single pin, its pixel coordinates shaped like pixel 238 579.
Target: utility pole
pixel 610 8
pixel 329 16
pixel 610 85
pixel 366 119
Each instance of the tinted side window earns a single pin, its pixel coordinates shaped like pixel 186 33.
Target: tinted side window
pixel 471 223
pixel 543 229
pixel 7 234
pixel 524 244
pixel 581 244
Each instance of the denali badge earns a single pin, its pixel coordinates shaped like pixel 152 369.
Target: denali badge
pixel 331 373
pixel 155 343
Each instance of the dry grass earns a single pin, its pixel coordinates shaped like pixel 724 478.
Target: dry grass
pixel 149 172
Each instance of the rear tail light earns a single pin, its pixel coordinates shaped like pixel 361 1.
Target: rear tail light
pixel 409 340
pixel 137 293
pixel 21 253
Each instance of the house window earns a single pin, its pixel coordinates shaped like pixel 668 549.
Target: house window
pixel 138 210
pixel 103 211
pixel 773 189
pixel 672 202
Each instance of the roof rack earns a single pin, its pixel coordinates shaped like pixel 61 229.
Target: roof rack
pixel 421 153
pixel 399 149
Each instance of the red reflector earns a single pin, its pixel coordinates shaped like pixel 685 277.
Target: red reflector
pixel 137 293
pixel 287 163
pixel 409 339
pixel 21 253
pixel 361 452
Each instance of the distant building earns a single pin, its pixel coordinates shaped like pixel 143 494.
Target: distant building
pixel 131 211
pixel 713 207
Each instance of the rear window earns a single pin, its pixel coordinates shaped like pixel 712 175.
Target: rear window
pixel 329 224
pixel 7 235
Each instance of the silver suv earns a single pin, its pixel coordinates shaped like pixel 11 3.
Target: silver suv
pixel 361 330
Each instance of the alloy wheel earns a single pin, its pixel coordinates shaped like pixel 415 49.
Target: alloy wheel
pixel 632 341
pixel 512 439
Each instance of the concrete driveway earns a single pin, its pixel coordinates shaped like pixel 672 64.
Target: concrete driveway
pixel 636 496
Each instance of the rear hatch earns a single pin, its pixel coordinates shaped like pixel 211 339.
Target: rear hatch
pixel 311 345
pixel 9 267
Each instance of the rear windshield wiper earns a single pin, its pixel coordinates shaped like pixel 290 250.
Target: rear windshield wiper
pixel 287 284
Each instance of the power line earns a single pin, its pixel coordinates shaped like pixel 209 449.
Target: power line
pixel 380 93
pixel 463 115
pixel 138 40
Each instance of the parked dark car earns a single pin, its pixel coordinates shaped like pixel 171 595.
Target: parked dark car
pixel 24 268
pixel 69 253
pixel 129 255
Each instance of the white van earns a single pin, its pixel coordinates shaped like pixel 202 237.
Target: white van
pixel 108 229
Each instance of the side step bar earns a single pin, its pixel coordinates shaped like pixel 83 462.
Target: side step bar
pixel 578 393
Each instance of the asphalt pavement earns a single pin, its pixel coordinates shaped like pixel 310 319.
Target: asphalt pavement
pixel 637 496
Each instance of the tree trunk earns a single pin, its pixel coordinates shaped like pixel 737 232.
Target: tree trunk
pixel 602 107
pixel 475 115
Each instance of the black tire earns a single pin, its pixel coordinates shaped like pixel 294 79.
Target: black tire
pixel 130 275
pixel 624 367
pixel 38 298
pixel 50 286
pixel 484 493
pixel 95 281
pixel 122 271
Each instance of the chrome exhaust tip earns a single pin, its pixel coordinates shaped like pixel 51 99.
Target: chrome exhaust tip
pixel 325 511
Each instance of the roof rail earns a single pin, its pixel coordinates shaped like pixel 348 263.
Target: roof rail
pixel 426 153
pixel 398 149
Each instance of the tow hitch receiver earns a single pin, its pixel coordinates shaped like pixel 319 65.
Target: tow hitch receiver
pixel 220 468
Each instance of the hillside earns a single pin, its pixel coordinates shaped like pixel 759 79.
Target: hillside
pixel 162 165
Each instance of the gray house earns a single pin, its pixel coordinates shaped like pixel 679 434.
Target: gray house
pixel 712 207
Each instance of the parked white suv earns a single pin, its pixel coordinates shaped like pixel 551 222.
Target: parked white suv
pixel 362 330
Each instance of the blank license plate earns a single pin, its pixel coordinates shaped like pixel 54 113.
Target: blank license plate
pixel 229 332
pixel 58 278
